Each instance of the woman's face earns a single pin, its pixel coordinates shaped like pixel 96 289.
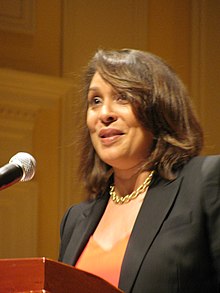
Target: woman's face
pixel 116 134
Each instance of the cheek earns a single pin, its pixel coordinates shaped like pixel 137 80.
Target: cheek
pixel 142 138
pixel 90 121
pixel 91 125
pixel 95 141
pixel 147 140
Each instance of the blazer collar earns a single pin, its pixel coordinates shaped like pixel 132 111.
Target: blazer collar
pixel 158 202
pixel 85 227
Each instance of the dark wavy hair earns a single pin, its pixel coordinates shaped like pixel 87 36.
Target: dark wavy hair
pixel 161 104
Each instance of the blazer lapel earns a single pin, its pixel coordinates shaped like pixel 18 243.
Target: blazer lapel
pixel 156 205
pixel 86 225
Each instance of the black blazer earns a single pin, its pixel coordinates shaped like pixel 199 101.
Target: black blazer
pixel 175 242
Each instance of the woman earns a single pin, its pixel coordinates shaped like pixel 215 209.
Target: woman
pixel 152 220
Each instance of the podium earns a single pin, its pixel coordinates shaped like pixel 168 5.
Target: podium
pixel 37 275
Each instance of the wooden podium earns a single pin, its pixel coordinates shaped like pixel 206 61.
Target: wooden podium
pixel 37 275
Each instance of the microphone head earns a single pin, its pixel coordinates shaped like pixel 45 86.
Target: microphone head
pixel 27 163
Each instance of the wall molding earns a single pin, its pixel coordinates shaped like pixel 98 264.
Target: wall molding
pixel 17 16
pixel 37 116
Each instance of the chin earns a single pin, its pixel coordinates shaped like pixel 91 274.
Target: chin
pixel 118 162
pixel 110 160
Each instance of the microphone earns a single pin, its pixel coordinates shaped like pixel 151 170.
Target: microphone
pixel 21 167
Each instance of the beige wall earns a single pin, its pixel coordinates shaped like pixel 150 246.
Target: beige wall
pixel 185 33
pixel 36 51
pixel 170 33
pixel 208 92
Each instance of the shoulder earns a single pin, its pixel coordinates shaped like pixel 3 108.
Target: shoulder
pixel 202 176
pixel 75 213
pixel 202 166
pixel 80 207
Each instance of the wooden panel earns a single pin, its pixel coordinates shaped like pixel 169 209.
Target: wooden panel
pixel 205 70
pixel 18 221
pixel 17 15
pixel 36 116
pixel 89 25
pixel 30 35
pixel 169 34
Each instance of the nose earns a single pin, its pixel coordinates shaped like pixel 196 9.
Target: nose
pixel 107 114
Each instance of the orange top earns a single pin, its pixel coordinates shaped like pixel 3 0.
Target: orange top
pixel 103 263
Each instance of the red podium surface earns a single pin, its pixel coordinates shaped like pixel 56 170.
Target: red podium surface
pixel 37 275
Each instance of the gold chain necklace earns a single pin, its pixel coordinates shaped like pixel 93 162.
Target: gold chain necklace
pixel 127 198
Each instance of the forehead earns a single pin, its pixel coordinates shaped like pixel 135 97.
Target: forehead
pixel 96 78
pixel 98 83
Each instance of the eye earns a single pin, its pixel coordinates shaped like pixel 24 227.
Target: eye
pixel 122 98
pixel 94 100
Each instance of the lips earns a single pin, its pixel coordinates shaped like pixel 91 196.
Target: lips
pixel 110 132
pixel 110 135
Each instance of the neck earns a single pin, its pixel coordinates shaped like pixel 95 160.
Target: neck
pixel 128 173
pixel 126 181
